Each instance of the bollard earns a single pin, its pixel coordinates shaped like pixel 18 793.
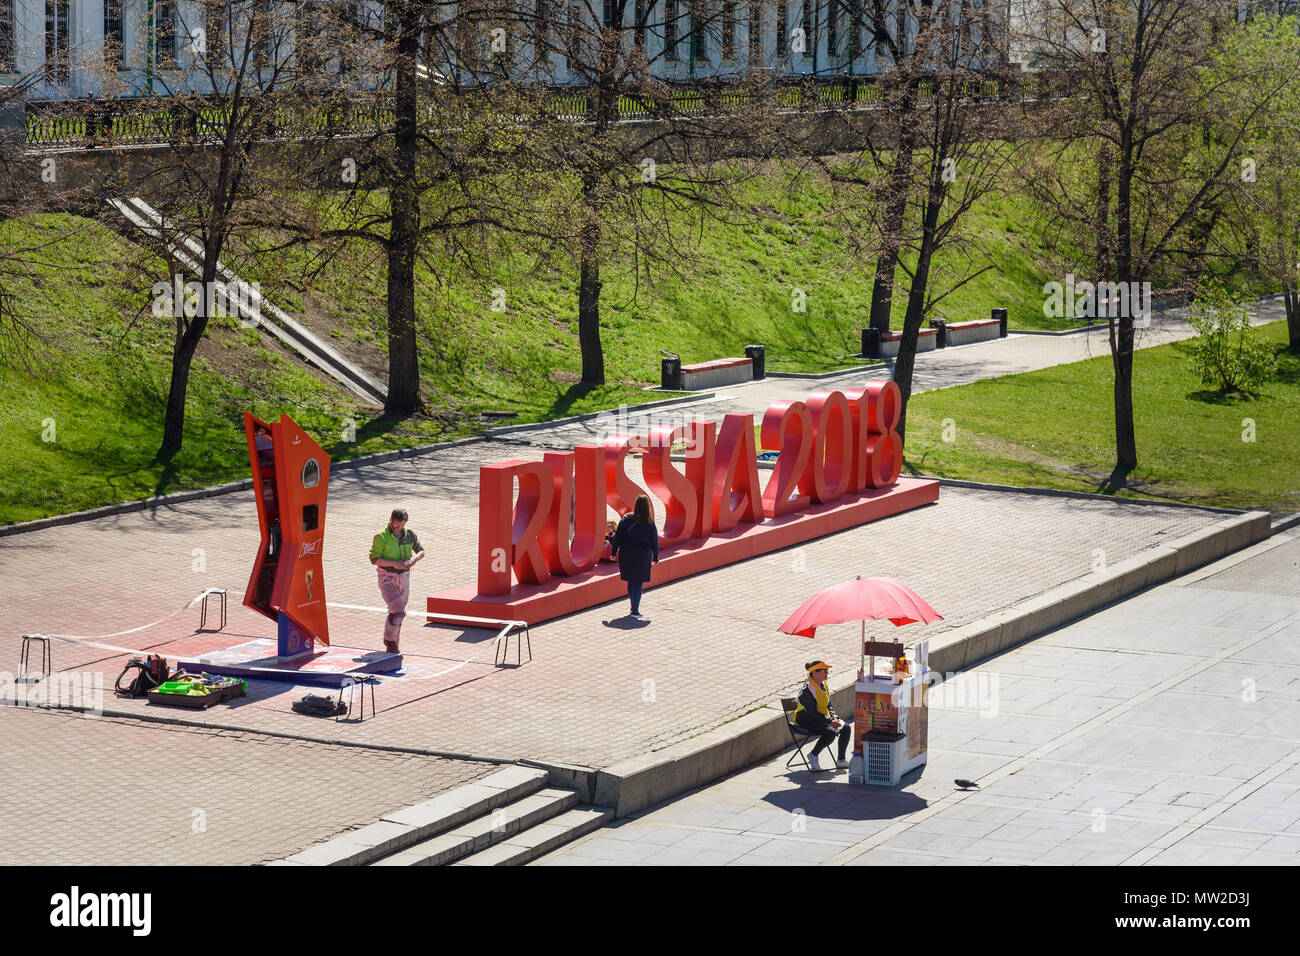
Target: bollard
pixel 1001 316
pixel 942 326
pixel 757 354
pixel 871 343
pixel 670 374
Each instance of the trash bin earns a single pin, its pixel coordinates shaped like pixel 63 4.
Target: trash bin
pixel 758 354
pixel 670 373
pixel 1001 316
pixel 871 343
pixel 942 336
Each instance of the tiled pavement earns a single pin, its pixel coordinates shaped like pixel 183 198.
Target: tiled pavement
pixel 600 687
pixel 101 791
pixel 1162 730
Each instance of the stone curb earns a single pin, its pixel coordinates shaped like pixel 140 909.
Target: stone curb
pixel 1286 523
pixel 177 497
pixel 1067 493
pixel 643 781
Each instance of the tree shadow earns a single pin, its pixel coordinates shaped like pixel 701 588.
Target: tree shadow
pixel 568 398
pixel 1211 396
pixel 167 476
pixel 1115 481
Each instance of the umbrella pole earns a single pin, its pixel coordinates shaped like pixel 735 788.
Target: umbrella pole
pixel 862 651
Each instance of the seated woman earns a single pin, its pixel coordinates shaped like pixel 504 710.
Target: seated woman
pixel 816 715
pixel 607 550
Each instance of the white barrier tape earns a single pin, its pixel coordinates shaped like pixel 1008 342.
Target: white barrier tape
pixel 81 641
pixel 94 642
pixel 506 628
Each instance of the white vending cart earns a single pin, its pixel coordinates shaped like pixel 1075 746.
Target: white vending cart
pixel 890 717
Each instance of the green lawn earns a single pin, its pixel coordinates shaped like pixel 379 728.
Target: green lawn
pixel 1054 428
pixel 102 376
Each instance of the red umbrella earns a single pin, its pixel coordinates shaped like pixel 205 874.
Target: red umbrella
pixel 862 599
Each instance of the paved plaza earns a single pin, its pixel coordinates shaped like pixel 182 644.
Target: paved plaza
pixel 602 688
pixel 86 791
pixel 1160 730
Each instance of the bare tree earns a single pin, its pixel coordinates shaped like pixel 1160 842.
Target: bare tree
pixel 638 139
pixel 1264 212
pixel 937 149
pixel 228 76
pixel 1144 93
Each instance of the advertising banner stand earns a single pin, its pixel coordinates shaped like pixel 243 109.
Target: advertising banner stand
pixel 890 717
pixel 291 484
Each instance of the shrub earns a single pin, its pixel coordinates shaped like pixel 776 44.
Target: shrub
pixel 1227 352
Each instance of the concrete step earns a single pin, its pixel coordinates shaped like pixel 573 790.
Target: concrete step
pixel 402 829
pixel 487 830
pixel 541 839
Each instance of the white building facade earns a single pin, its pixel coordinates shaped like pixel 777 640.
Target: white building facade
pixel 72 49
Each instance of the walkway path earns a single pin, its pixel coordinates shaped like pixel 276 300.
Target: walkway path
pixel 1163 730
pixel 942 368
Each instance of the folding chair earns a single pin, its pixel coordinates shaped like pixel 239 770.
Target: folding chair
pixel 798 735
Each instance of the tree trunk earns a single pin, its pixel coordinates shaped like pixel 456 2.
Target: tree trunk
pixel 906 361
pixel 1121 328
pixel 404 236
pixel 187 341
pixel 593 356
pixel 1103 213
pixel 1291 298
pixel 936 191
pixel 900 186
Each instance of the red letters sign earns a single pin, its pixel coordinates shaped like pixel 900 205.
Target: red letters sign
pixel 831 445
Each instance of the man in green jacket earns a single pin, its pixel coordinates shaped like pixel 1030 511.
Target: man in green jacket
pixel 394 551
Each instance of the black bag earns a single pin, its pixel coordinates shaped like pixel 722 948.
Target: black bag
pixel 149 673
pixel 313 705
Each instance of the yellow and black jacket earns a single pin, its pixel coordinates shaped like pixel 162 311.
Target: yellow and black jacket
pixel 815 711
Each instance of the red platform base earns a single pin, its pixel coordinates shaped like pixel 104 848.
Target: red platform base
pixel 535 603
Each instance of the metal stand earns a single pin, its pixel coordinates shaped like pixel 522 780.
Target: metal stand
pixel 349 685
pixel 24 659
pixel 203 608
pixel 503 649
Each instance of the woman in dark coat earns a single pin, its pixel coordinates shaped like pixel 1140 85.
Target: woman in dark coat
pixel 636 545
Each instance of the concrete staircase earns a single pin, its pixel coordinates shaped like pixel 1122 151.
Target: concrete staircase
pixel 507 818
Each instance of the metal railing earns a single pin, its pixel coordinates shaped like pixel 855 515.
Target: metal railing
pixel 108 123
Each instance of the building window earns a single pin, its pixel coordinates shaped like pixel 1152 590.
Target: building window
pixel 806 24
pixel 699 31
pixel 165 35
pixel 855 29
pixel 114 48
pixel 58 65
pixel 782 28
pixel 755 32
pixel 640 13
pixel 670 30
pixel 7 64
pixel 574 57
pixel 541 27
pixel 728 30
pixel 833 29
pixel 608 12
